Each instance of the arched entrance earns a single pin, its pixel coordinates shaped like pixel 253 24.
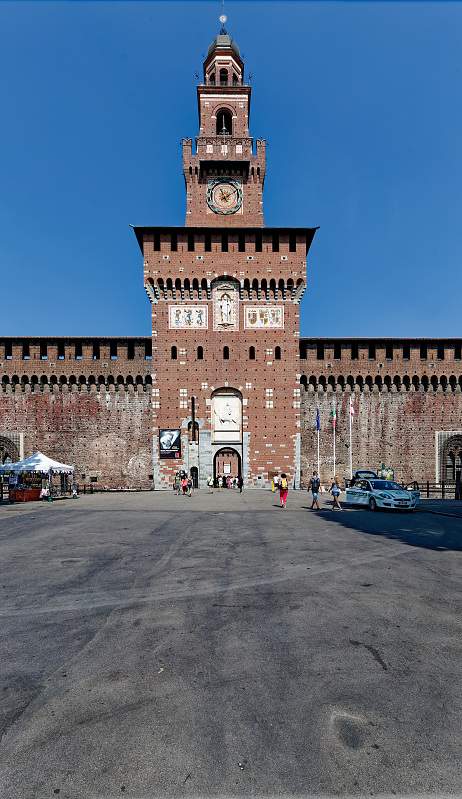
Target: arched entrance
pixel 194 472
pixel 227 463
pixel 9 453
pixel 452 459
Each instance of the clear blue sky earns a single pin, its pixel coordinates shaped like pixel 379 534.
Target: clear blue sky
pixel 360 102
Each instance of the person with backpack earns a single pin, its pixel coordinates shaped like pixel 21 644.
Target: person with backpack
pixel 283 490
pixel 314 488
pixel 335 490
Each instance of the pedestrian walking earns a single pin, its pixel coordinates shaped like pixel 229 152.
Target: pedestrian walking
pixel 314 488
pixel 210 484
pixel 240 483
pixel 335 490
pixel 190 486
pixel 283 491
pixel 184 486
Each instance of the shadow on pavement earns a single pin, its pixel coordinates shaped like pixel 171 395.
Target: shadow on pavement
pixel 415 529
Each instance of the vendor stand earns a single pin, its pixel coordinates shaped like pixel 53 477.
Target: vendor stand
pixel 32 478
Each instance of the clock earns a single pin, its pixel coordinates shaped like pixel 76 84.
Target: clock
pixel 224 196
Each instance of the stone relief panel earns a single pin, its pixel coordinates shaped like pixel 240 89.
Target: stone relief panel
pixel 188 317
pixel 226 419
pixel 225 307
pixel 269 317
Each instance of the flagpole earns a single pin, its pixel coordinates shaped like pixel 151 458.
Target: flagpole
pixel 335 425
pixel 351 449
pixel 319 473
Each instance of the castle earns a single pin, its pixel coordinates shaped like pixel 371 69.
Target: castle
pixel 225 385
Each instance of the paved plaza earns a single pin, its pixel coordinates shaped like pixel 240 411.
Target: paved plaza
pixel 155 645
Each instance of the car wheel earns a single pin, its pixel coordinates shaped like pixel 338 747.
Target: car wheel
pixel 372 504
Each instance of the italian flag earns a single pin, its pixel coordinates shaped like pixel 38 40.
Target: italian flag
pixel 333 416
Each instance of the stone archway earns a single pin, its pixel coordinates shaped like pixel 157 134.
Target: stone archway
pixel 226 463
pixel 451 460
pixel 8 450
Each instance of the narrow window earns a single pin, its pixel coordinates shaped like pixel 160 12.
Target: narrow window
pixel 173 353
pixel 372 352
pixel 258 242
pixel 131 350
pixel 389 352
pixel 96 351
pixel 224 123
pixel 440 352
pixel 223 77
pixel 208 242
pixel 148 351
pixel 275 242
pixel 292 242
pixel 457 352
pixel 25 351
pixel 200 353
pixel 251 353
pixel 61 351
pixel 320 352
pixel 8 350
pixel 337 352
pixel 423 352
pixel 190 242
pixel 113 351
pixel 241 242
pixel 277 353
pixel 406 352
pixel 156 242
pixel 226 353
pixel 43 351
pixel 354 352
pixel 224 242
pixel 174 241
pixel 78 351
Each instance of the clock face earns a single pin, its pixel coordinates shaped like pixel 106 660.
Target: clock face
pixel 224 196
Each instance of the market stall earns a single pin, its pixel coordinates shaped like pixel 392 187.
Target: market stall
pixel 33 478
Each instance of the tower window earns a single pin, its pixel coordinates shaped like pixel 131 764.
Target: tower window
pixel 207 242
pixel 406 352
pixel 61 351
pixel 25 351
pixel 277 353
pixel 156 242
pixel 258 242
pixel 113 351
pixel 130 351
pixel 337 352
pixel 226 353
pixel 190 242
pixel 457 352
pixel 224 123
pixel 320 352
pixel 275 242
pixel 389 352
pixel 173 353
pixel 224 242
pixel 148 350
pixel 43 351
pixel 354 352
pixel 235 79
pixel 440 352
pixel 252 353
pixel 174 242
pixel 212 78
pixel 372 352
pixel 423 352
pixel 223 77
pixel 200 353
pixel 292 242
pixel 241 242
pixel 96 351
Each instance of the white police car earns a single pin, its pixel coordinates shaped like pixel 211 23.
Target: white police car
pixel 376 493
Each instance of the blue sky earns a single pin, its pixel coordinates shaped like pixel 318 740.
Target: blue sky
pixel 360 103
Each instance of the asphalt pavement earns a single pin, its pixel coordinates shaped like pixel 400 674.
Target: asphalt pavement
pixel 155 645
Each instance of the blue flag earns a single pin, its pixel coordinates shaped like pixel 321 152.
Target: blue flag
pixel 318 420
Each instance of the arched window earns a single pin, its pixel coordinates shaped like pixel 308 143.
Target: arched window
pixel 277 353
pixel 200 353
pixel 223 77
pixel 226 353
pixel 224 123
pixel 212 78
pixel 173 353
pixel 235 79
pixel 252 353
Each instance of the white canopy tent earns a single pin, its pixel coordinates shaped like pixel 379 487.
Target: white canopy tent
pixel 39 463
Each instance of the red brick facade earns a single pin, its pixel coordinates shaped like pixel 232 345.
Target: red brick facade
pixel 225 349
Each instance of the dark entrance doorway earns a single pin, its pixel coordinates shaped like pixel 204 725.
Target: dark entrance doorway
pixel 227 462
pixel 194 471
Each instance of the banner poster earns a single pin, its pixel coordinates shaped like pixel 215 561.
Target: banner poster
pixel 170 443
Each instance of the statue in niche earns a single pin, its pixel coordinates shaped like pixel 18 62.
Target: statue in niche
pixel 225 305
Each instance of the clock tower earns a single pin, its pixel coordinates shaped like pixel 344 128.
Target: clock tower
pixel 225 294
pixel 225 175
